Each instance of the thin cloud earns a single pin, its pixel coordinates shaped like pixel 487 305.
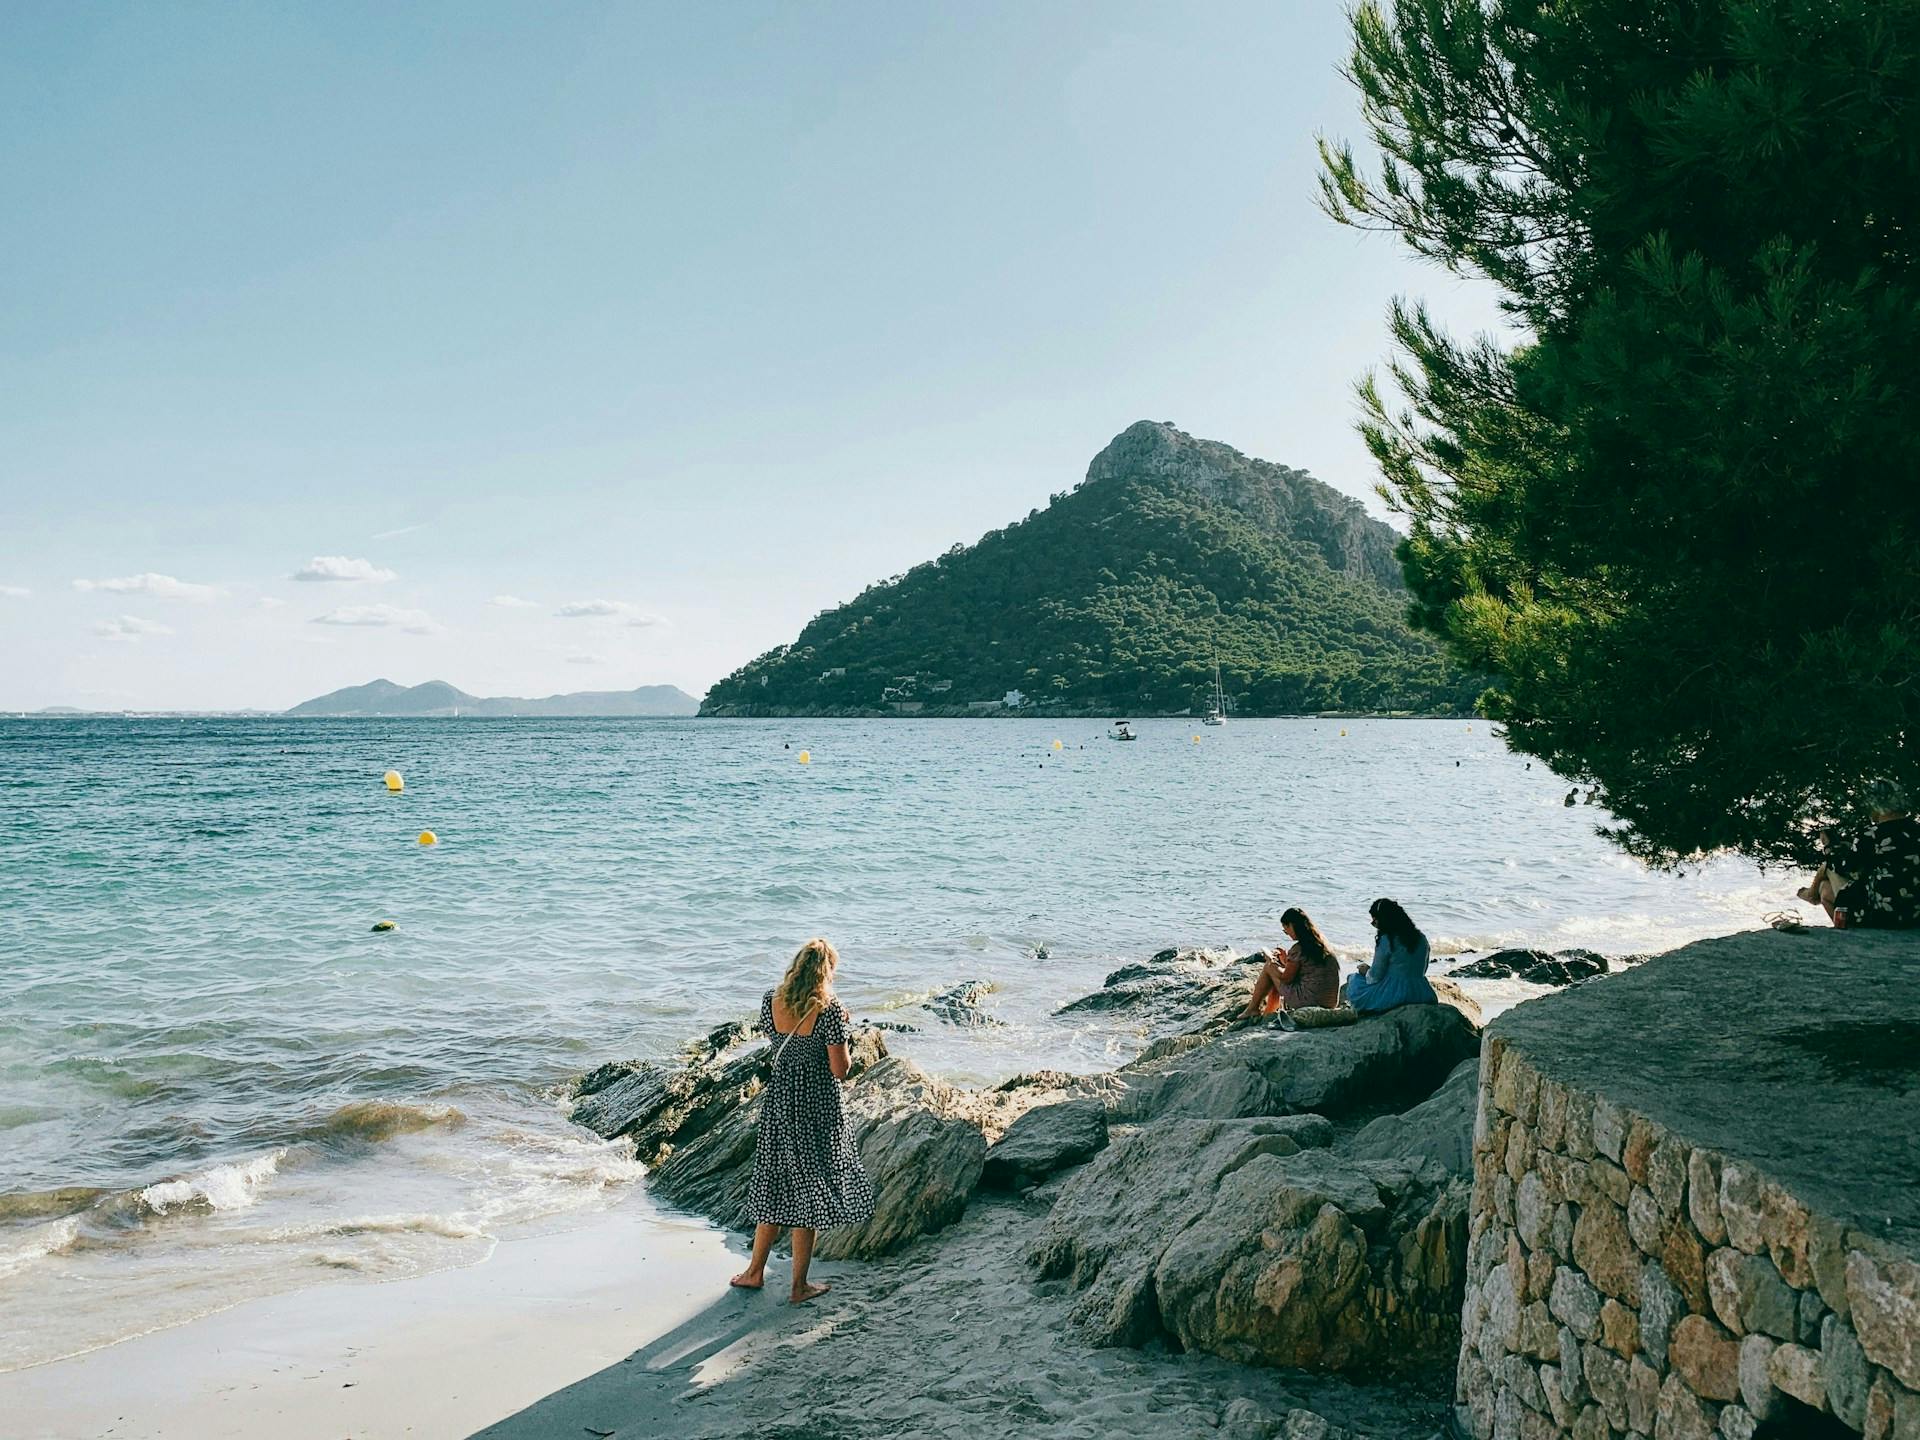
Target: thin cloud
pixel 161 587
pixel 341 569
pixel 581 657
pixel 412 622
pixel 513 602
pixel 14 592
pixel 396 534
pixel 128 627
pixel 619 610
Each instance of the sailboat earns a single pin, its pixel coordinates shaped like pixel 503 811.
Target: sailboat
pixel 1217 712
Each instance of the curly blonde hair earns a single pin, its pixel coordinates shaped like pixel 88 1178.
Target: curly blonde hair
pixel 803 989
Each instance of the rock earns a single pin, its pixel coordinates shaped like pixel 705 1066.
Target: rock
pixel 1605 1252
pixel 1575 1303
pixel 1748 1294
pixel 1757 1390
pixel 961 1004
pixel 1114 1218
pixel 1703 1197
pixel 1660 1305
pixel 1264 1070
pixel 1536 967
pixel 1843 1372
pixel 1795 1370
pixel 1439 1128
pixel 1046 1139
pixel 1175 991
pixel 1680 1415
pixel 923 1157
pixel 1703 1355
pixel 1619 1329
pixel 1322 1263
pixel 1884 1298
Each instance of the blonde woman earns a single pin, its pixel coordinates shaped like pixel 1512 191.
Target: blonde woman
pixel 806 1175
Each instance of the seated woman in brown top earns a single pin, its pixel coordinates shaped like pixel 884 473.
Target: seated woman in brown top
pixel 1304 974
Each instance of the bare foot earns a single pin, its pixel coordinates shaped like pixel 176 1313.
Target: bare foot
pixel 1806 893
pixel 806 1293
pixel 747 1281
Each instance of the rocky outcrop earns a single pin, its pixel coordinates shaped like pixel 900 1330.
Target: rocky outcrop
pixel 961 1004
pixel 1539 967
pixel 1249 1239
pixel 1178 991
pixel 1439 1128
pixel 1382 1063
pixel 1045 1140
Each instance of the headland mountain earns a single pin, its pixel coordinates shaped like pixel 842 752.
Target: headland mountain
pixel 1118 597
pixel 437 697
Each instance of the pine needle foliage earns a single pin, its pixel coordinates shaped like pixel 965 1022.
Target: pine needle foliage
pixel 1677 515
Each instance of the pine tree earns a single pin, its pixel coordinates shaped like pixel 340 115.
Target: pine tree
pixel 1677 515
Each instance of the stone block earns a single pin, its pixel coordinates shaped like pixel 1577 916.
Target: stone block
pixel 1685 1261
pixel 1843 1372
pixel 1757 1390
pixel 1539 1273
pixel 1603 1249
pixel 1681 1415
pixel 1737 1424
pixel 1607 1179
pixel 1606 1376
pixel 1786 1223
pixel 1827 1257
pixel 1643 1221
pixel 1551 1123
pixel 1519 1157
pixel 1637 1149
pixel 1579 1142
pixel 1811 1313
pixel 1531 1211
pixel 1592 1425
pixel 1703 1197
pixel 1741 1207
pixel 1609 1128
pixel 1667 1178
pixel 1573 1374
pixel 1575 1303
pixel 1539 1336
pixel 1747 1293
pixel 1643 1395
pixel 1660 1305
pixel 1619 1328
pixel 1558 1407
pixel 1560 1232
pixel 1706 1357
pixel 1884 1299
pixel 1795 1370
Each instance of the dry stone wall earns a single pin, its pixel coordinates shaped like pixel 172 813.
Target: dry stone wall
pixel 1625 1281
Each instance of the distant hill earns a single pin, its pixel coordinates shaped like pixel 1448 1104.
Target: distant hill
pixel 437 697
pixel 1116 597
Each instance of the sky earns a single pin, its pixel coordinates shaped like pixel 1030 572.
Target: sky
pixel 559 346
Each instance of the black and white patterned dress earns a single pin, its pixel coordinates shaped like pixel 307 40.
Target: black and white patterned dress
pixel 805 1169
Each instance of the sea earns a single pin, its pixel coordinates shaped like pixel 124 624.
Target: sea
pixel 219 1080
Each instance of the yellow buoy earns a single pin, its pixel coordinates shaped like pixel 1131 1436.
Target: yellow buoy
pixel 394 782
pixel 1196 739
pixel 427 837
pixel 806 757
pixel 1343 732
pixel 1057 745
pixel 383 926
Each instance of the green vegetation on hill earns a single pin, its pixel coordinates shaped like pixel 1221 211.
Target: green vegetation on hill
pixel 1116 597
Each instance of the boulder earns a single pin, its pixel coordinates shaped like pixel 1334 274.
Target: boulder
pixel 1248 1239
pixel 1439 1128
pixel 1175 991
pixel 1383 1062
pixel 1115 1218
pixel 961 1004
pixel 1046 1139
pixel 1540 967
pixel 1321 1262
pixel 923 1157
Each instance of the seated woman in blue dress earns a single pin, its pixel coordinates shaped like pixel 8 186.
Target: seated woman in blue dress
pixel 1398 974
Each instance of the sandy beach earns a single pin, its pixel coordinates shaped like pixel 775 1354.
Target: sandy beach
pixel 437 1356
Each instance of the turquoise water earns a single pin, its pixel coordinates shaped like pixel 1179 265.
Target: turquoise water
pixel 198 1023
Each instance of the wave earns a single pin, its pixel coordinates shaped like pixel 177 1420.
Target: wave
pixel 372 1121
pixel 222 1187
pixel 447 1227
pixel 38 1243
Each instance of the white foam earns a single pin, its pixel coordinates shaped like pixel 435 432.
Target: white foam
pixel 223 1187
pixel 40 1242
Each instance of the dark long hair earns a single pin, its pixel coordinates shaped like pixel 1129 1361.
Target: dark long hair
pixel 1396 924
pixel 1313 945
